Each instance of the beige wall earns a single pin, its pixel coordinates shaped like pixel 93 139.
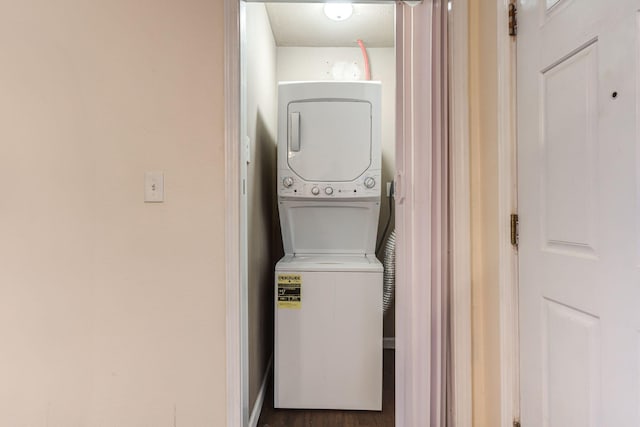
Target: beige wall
pixel 265 243
pixel 112 311
pixel 484 211
pixel 316 63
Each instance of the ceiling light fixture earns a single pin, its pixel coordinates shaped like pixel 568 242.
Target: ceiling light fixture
pixel 338 11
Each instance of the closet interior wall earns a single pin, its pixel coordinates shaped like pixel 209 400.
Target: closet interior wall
pixel 265 247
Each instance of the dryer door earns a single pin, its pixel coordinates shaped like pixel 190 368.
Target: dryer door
pixel 329 140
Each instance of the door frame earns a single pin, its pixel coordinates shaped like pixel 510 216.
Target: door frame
pixel 507 205
pixel 416 357
pixel 236 374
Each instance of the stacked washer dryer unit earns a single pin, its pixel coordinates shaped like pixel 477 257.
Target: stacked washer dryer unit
pixel 328 286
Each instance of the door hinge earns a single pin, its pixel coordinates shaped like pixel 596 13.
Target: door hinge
pixel 516 423
pixel 515 232
pixel 513 19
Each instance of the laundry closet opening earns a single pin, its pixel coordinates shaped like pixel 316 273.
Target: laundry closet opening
pixel 295 42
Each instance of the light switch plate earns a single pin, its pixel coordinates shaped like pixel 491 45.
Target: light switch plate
pixel 154 187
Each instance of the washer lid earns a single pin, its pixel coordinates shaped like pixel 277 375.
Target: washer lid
pixel 329 226
pixel 365 263
pixel 329 140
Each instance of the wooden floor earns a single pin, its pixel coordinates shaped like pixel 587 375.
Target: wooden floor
pixel 271 417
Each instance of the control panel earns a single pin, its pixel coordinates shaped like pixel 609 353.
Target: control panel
pixel 291 186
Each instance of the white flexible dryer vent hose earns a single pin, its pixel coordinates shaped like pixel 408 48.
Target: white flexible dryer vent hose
pixel 389 275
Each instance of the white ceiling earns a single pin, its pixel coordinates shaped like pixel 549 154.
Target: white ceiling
pixel 296 24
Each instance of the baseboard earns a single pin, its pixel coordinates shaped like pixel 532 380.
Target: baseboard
pixel 389 343
pixel 257 407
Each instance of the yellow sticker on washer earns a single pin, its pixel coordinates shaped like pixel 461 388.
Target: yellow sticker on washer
pixel 289 291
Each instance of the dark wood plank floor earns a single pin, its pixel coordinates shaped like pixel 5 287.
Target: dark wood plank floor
pixel 271 417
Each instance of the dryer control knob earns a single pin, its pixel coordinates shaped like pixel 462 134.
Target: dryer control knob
pixel 328 191
pixel 287 181
pixel 315 191
pixel 369 182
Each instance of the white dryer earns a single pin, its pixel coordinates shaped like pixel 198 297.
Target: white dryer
pixel 328 286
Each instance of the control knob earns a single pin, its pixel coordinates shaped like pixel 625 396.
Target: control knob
pixel 315 191
pixel 328 191
pixel 369 182
pixel 287 181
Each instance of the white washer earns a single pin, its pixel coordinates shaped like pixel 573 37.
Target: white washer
pixel 328 287
pixel 328 352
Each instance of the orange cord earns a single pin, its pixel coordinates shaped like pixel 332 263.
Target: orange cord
pixel 367 68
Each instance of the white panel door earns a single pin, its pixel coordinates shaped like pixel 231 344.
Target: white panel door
pixel 579 219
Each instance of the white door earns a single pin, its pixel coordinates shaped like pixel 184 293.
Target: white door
pixel 579 218
pixel 329 140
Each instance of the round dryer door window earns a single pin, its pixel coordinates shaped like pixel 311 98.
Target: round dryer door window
pixel 329 140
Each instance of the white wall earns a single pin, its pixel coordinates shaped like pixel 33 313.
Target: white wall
pixel 265 246
pixel 320 63
pixel 112 311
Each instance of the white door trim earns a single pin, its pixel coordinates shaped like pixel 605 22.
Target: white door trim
pixel 461 347
pixel 234 364
pixel 507 204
